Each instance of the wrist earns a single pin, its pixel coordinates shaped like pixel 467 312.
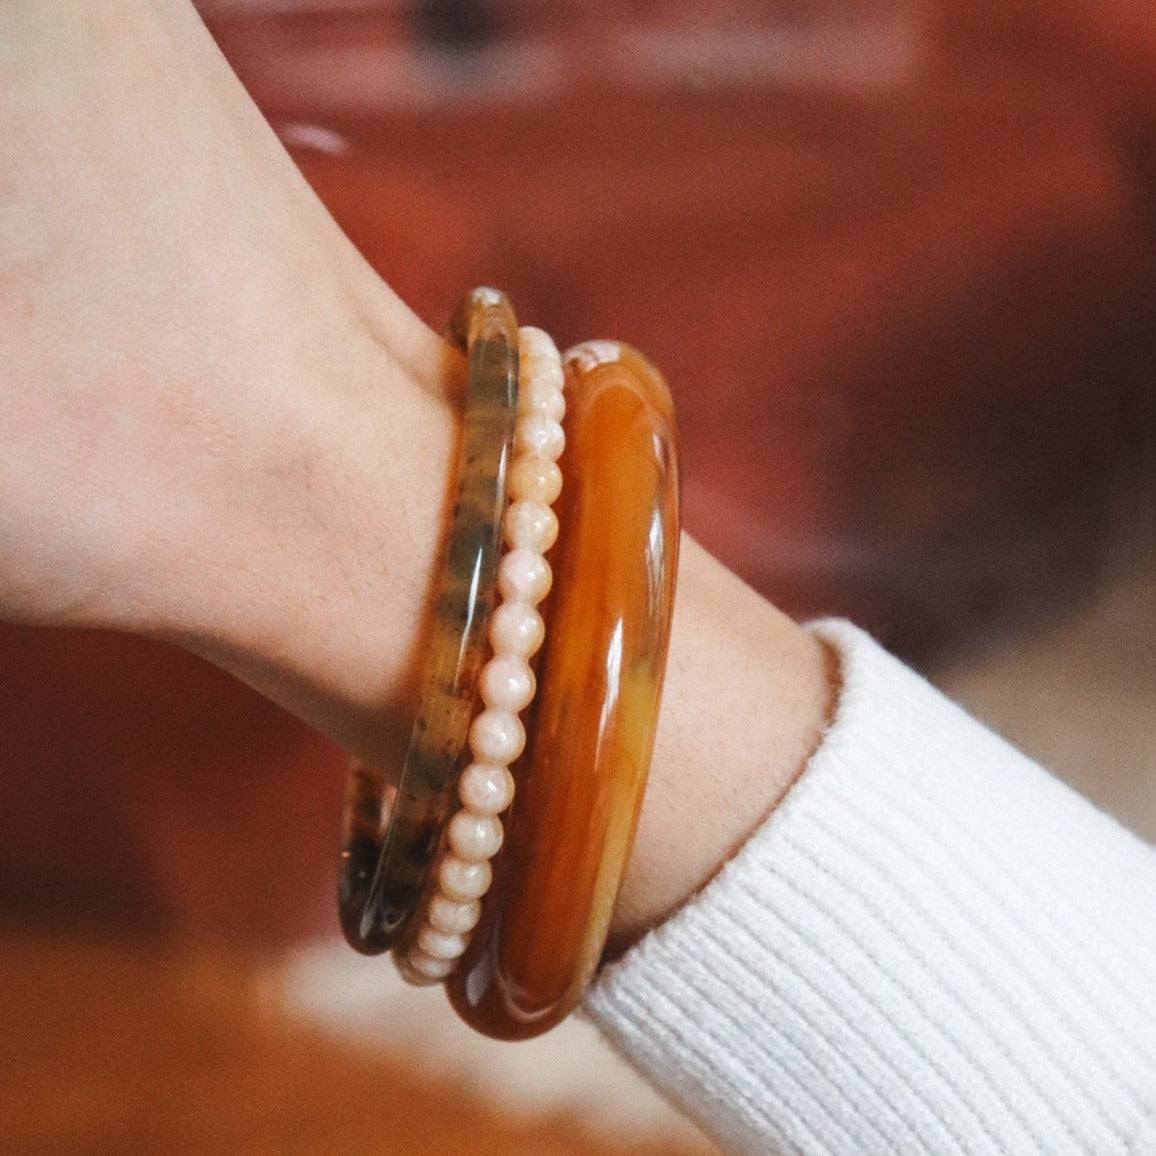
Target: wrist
pixel 269 421
pixel 307 565
pixel 748 694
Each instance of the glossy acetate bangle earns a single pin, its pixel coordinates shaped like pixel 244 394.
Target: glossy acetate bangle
pixel 581 780
pixel 388 850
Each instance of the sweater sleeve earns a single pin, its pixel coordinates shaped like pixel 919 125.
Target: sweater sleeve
pixel 931 946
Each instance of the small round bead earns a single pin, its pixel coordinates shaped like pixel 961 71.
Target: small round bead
pixel 438 945
pixel 507 683
pixel 524 576
pixel 461 880
pixel 539 373
pixel 535 479
pixel 486 790
pixel 474 838
pixel 420 969
pixel 516 628
pixel 542 394
pixel 530 525
pixel 452 917
pixel 537 433
pixel 538 362
pixel 497 736
pixel 535 342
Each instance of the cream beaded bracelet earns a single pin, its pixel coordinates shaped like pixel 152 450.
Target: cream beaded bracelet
pixel 417 876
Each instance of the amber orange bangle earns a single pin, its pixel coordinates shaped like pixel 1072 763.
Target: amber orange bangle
pixel 581 780
pixel 388 846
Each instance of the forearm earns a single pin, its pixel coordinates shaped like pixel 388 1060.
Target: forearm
pixel 330 617
pixel 209 400
pixel 226 431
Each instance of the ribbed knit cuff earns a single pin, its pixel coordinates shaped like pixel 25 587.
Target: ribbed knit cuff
pixel 932 946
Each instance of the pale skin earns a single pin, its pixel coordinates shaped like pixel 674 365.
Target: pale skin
pixel 221 428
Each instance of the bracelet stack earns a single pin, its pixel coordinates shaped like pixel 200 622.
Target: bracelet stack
pixel 518 939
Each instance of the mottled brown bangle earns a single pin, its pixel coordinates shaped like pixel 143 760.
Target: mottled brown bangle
pixel 581 780
pixel 388 848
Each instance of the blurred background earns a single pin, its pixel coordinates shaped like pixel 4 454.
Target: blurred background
pixel 898 263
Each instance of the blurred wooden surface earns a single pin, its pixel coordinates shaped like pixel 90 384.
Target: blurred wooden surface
pixel 116 1050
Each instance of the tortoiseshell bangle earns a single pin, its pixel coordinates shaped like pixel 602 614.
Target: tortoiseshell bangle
pixel 581 779
pixel 387 851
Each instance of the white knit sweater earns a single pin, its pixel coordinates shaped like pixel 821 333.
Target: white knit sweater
pixel 932 946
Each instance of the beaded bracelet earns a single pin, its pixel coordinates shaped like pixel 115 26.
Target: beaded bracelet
pixel 439 936
pixel 581 780
pixel 518 963
pixel 389 846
